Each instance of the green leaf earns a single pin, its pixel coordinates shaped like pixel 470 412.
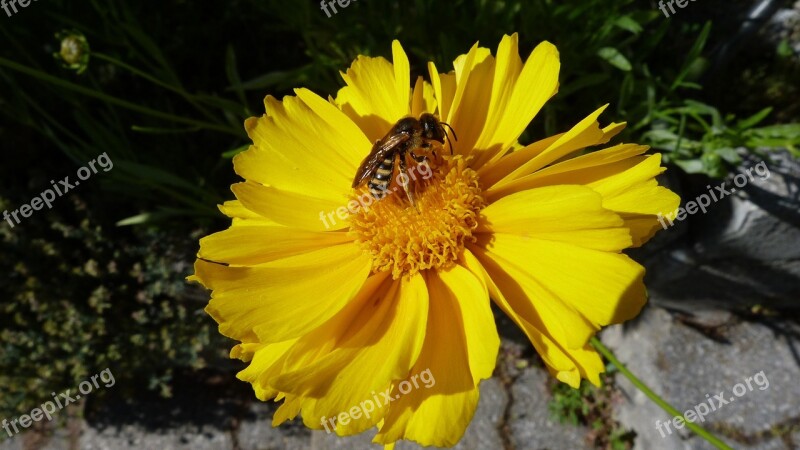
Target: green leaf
pixel 729 154
pixel 784 50
pixel 628 23
pixel 691 165
pixel 583 82
pixel 271 79
pixel 615 58
pixel 156 216
pixel 782 135
pixel 753 120
pixel 233 74
pixel 155 130
pixel 693 54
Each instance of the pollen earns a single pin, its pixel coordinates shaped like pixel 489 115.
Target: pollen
pixel 430 234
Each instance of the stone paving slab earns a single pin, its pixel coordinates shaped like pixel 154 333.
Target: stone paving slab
pixel 530 422
pixel 684 366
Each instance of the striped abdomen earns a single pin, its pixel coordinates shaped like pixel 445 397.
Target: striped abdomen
pixel 379 183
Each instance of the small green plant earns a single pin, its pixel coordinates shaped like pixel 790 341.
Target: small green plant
pixel 699 139
pixel 568 405
pixel 81 298
pixel 592 406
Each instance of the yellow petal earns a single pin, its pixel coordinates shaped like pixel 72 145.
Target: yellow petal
pixel 444 89
pixel 467 113
pixel 263 360
pixel 288 410
pixel 377 93
pixel 517 98
pixel 528 296
pixel 423 99
pixel 241 215
pixel 644 227
pixel 583 169
pixel 635 190
pixel 372 342
pixel 586 133
pixel 584 363
pixel 565 364
pixel 493 172
pixel 283 299
pixel 566 213
pixel 303 146
pixel 635 194
pixel 471 296
pixel 402 75
pixel 439 414
pixel 293 209
pixel 251 245
pixel 603 287
pixel 507 70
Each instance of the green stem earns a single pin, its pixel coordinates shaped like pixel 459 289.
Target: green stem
pixel 702 432
pixel 113 100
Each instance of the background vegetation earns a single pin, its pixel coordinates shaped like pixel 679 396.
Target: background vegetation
pixel 97 281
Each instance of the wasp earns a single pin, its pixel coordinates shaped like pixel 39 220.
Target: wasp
pixel 406 136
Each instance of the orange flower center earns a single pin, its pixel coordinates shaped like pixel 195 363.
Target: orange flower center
pixel 405 239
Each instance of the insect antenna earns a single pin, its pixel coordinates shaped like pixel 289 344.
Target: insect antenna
pixel 454 136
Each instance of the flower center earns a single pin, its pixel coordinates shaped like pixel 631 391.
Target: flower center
pixel 405 239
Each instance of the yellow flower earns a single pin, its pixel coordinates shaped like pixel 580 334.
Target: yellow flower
pixel 338 298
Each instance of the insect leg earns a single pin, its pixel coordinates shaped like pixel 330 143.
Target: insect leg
pixel 405 181
pixel 419 159
pixel 425 145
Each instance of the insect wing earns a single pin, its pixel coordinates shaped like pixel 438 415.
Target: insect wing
pixel 379 151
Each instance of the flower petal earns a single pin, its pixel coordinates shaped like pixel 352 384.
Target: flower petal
pixel 586 133
pixel 262 362
pixel 438 415
pixel 636 195
pixel 303 146
pixel 568 365
pixel 494 172
pixel 241 215
pixel 563 279
pixel 283 299
pixel 444 89
pixel 467 113
pixel 377 93
pixel 376 339
pixel 585 168
pixel 264 244
pixel 293 209
pixel 528 296
pixel 423 99
pixel 566 213
pixel 517 95
pixel 482 340
pixel 635 190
